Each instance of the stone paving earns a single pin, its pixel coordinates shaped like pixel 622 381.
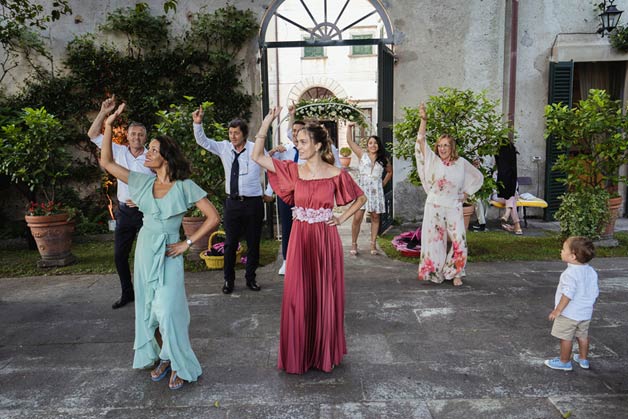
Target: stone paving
pixel 415 351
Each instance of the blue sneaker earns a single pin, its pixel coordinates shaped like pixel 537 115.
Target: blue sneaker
pixel 584 363
pixel 555 364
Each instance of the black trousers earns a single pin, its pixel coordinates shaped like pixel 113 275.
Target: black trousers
pixel 242 218
pixel 285 217
pixel 128 223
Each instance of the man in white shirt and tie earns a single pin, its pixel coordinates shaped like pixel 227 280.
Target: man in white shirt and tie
pixel 244 208
pixel 128 216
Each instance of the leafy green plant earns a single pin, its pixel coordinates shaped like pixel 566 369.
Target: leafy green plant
pixel 17 39
pixel 345 151
pixel 583 213
pixel 470 117
pixel 592 137
pixel 32 154
pixel 144 32
pixel 207 170
pixel 619 38
pixel 149 78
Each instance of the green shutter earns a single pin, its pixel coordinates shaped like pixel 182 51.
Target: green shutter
pixel 560 90
pixel 362 49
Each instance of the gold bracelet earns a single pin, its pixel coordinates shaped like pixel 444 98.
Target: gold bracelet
pixel 260 136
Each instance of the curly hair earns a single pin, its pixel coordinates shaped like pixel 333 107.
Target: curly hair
pixel 179 167
pixel 582 247
pixel 452 143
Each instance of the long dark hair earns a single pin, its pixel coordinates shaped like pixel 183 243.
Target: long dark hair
pixel 179 167
pixel 318 134
pixel 381 153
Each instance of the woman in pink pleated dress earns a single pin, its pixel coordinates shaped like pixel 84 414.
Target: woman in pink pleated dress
pixel 312 310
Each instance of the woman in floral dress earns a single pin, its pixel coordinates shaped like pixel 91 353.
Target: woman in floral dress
pixel 448 180
pixel 311 331
pixel 373 162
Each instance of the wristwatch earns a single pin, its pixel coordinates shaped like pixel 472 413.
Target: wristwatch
pixel 189 242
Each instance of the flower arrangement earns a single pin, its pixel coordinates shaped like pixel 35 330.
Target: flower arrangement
pixel 49 208
pixel 330 108
pixel 345 151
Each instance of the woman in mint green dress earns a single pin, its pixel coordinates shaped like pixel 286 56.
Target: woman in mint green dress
pixel 160 300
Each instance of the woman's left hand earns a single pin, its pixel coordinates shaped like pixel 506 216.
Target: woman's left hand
pixel 111 118
pixel 334 221
pixel 176 249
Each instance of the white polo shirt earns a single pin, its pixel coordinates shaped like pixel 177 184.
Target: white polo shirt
pixel 123 156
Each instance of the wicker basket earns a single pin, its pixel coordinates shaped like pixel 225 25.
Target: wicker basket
pixel 217 262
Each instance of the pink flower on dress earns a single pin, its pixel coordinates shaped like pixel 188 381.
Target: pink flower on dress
pixel 427 267
pixel 440 234
pixel 442 182
pixel 458 257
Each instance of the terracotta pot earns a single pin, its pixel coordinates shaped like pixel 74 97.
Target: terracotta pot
pixel 190 225
pixel 345 161
pixel 53 235
pixel 467 212
pixel 613 207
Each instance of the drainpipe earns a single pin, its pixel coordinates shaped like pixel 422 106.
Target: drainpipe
pixel 512 81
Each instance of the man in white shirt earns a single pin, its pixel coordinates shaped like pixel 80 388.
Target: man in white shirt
pixel 128 216
pixel 244 209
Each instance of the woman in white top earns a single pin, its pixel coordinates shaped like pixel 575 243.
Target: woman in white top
pixel 448 180
pixel 373 162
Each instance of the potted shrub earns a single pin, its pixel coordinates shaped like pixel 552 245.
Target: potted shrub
pixel 345 156
pixel 591 135
pixel 207 170
pixel 471 118
pixel 32 154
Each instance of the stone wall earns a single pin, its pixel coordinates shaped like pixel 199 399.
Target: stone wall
pixel 445 43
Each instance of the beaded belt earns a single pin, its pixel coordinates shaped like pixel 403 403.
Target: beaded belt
pixel 311 215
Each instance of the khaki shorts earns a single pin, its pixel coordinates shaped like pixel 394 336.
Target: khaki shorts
pixel 566 329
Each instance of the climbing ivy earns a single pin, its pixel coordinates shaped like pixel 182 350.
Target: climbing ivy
pixel 153 71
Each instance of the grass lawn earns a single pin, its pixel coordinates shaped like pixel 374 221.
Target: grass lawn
pixel 496 246
pixel 97 258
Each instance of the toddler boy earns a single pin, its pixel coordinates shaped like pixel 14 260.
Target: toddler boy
pixel 575 296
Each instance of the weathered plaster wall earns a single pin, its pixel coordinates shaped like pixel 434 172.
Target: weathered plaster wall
pixel 447 43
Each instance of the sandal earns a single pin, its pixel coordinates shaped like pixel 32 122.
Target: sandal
pixel 173 384
pixel 457 282
pixel 374 248
pixel 354 252
pixel 160 371
pixel 519 232
pixel 507 227
pixel 504 219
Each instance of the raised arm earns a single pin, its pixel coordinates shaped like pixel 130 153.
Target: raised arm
pixel 420 138
pixel 199 134
pixel 106 107
pixel 106 154
pixel 352 144
pixel 258 155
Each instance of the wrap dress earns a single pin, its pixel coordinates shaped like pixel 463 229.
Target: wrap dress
pixel 160 299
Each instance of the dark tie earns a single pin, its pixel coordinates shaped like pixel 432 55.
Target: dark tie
pixel 296 155
pixel 235 174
